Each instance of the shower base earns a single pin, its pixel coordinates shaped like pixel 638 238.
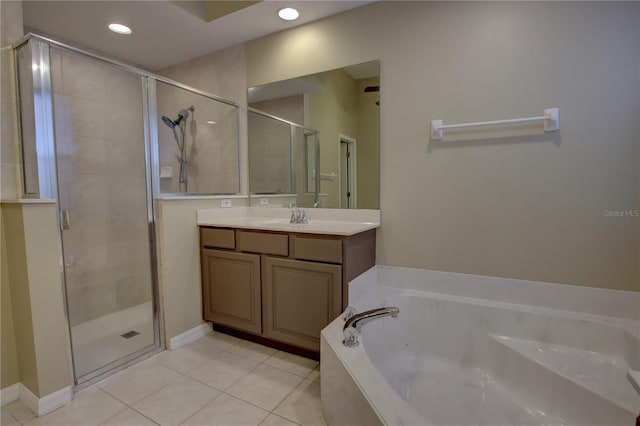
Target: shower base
pixel 106 339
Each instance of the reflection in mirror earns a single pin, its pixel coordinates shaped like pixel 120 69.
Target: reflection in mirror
pixel 282 160
pixel 337 163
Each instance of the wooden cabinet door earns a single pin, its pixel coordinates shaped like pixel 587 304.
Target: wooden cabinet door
pixel 299 300
pixel 231 289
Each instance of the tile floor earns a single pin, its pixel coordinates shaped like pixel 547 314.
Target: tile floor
pixel 216 380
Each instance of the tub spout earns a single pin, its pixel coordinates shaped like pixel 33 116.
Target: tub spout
pixel 353 324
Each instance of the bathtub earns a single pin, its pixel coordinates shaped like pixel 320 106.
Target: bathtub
pixel 514 353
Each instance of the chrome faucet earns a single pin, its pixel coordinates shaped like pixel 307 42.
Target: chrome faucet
pixel 353 325
pixel 297 215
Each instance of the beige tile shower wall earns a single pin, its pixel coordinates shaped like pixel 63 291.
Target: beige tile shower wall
pixel 211 143
pixel 213 166
pixel 101 172
pixel 520 206
pixel 10 31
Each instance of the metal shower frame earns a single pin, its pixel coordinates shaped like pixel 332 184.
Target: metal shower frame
pixel 47 185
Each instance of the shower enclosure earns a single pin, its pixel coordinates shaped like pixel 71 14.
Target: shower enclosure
pixel 90 128
pixel 197 142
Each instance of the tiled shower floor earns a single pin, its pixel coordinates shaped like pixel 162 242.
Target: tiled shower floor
pixel 216 380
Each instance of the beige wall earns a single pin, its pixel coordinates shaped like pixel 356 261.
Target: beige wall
pixel 368 145
pixel 179 262
pixel 41 331
pixel 50 329
pixel 333 112
pixel 528 205
pixel 290 108
pixel 13 224
pixel 9 372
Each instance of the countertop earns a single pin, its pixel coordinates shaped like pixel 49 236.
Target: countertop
pixel 321 221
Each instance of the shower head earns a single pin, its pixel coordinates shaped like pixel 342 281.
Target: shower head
pixel 182 114
pixel 169 122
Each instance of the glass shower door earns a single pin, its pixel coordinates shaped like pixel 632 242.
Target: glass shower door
pixel 106 214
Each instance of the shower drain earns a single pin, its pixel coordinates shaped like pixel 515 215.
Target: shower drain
pixel 129 334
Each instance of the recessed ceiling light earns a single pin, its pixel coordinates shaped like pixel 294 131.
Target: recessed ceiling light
pixel 288 14
pixel 119 28
pixel 211 122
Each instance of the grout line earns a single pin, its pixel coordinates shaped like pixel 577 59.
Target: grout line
pixel 286 396
pixel 185 375
pixel 123 410
pixel 138 400
pixel 282 417
pixel 144 415
pixel 222 390
pixel 272 366
pixel 248 402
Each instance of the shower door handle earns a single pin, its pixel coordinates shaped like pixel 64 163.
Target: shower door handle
pixel 64 220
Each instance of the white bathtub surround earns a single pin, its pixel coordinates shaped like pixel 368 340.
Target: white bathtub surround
pixel 321 221
pixel 480 350
pixel 634 378
pixel 590 300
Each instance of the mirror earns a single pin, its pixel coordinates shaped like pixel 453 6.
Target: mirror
pixel 315 140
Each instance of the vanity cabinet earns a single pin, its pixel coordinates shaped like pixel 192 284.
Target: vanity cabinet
pixel 279 288
pixel 231 295
pixel 299 298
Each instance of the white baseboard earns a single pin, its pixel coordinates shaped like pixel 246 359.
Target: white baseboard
pixel 189 336
pixel 48 403
pixel 39 406
pixel 9 394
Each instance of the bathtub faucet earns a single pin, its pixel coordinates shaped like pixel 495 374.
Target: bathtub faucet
pixel 353 324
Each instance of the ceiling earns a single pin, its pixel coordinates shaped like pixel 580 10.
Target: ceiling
pixel 164 33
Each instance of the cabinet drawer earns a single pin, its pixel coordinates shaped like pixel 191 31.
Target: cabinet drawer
pixel 219 238
pixel 260 242
pixel 318 249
